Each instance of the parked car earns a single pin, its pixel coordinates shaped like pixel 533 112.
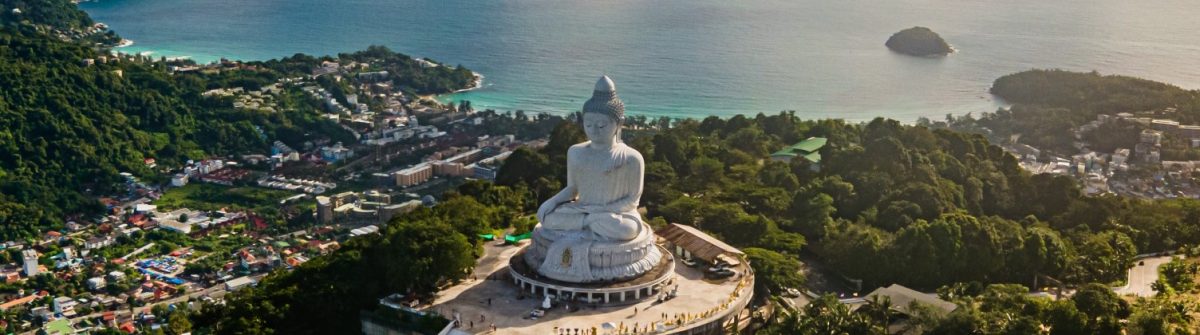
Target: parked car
pixel 721 273
pixel 688 262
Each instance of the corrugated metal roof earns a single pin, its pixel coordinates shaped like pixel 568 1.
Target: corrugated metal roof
pixel 698 243
pixel 902 297
pixel 806 148
pixel 811 144
pixel 813 157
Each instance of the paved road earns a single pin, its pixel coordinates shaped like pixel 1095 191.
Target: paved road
pixel 1144 273
pixel 129 257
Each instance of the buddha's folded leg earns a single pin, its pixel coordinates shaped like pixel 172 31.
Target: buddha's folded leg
pixel 616 227
pixel 564 220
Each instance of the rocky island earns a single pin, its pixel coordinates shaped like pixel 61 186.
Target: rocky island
pixel 918 41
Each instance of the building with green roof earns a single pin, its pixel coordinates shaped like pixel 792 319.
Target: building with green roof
pixel 808 149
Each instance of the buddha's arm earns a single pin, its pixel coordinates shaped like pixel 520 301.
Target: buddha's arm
pixel 568 193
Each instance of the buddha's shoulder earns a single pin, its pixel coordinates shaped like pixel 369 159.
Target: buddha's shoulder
pixel 577 148
pixel 629 152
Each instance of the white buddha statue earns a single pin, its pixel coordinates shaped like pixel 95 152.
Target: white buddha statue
pixel 604 176
pixel 591 230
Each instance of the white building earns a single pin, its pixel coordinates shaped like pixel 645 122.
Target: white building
pixel 324 210
pixel 1120 156
pixel 30 265
pixel 237 283
pixel 336 153
pixel 64 305
pixel 116 275
pixel 96 283
pixel 176 226
pixel 144 208
pixel 179 180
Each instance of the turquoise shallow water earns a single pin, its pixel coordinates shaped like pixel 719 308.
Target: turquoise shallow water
pixel 694 58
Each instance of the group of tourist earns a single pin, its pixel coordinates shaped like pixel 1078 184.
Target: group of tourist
pixel 681 319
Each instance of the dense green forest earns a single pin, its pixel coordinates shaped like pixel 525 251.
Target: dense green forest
pixel 1000 309
pixel 889 203
pixel 47 13
pixel 892 203
pixel 1089 94
pixel 67 129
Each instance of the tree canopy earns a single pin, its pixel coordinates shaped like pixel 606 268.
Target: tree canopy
pixel 888 203
pixel 67 129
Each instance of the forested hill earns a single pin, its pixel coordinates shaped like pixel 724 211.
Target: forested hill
pixel 48 13
pixel 58 19
pixel 889 203
pixel 1048 106
pixel 1088 94
pixel 67 128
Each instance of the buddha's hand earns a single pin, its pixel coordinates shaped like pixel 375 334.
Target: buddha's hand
pixel 546 208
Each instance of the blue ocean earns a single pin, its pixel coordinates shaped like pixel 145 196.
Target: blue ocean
pixel 694 58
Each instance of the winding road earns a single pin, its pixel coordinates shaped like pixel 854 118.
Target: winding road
pixel 1141 276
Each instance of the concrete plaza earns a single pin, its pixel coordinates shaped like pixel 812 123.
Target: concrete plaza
pixel 699 300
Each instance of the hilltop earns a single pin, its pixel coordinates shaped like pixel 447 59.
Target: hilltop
pixel 73 115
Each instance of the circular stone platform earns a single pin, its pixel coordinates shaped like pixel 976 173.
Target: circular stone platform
pixel 593 260
pixel 702 306
pixel 644 286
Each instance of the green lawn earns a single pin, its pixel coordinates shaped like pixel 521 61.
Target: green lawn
pixel 61 326
pixel 208 197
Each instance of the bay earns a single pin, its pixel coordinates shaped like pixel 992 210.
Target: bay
pixel 694 58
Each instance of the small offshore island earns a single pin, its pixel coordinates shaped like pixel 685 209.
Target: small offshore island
pixel 918 41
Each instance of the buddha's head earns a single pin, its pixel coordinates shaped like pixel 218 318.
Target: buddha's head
pixel 604 113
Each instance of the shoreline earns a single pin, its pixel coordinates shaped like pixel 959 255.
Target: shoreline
pixel 476 84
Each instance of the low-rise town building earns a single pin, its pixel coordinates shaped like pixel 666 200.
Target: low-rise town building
pixel 371 207
pixel 29 258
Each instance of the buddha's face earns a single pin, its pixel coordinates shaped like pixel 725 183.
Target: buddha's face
pixel 600 128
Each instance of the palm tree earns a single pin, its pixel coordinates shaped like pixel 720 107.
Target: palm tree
pixel 880 308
